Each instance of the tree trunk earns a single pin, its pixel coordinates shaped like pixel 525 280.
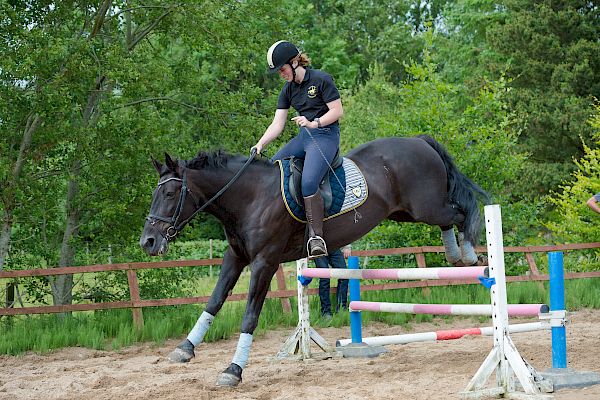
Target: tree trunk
pixel 8 198
pixel 62 285
pixel 5 236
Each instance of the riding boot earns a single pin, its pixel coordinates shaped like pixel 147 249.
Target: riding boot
pixel 313 205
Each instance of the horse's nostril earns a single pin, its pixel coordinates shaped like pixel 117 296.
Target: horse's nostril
pixel 149 243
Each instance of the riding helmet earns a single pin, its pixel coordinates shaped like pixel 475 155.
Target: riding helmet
pixel 280 53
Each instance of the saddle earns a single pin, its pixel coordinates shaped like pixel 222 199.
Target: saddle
pixel 295 183
pixel 342 191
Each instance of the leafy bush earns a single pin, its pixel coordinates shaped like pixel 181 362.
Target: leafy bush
pixel 475 129
pixel 572 220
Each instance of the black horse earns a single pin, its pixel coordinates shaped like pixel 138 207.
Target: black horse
pixel 409 179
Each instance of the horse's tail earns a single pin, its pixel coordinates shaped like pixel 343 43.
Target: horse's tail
pixel 462 192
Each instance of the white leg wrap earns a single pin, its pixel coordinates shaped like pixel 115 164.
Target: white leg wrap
pixel 468 252
pixel 243 350
pixel 451 247
pixel 199 330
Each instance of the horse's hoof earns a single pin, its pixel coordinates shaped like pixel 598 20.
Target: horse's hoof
pixel 180 356
pixel 183 353
pixel 482 260
pixel 231 377
pixel 454 261
pixel 228 380
pixel 469 261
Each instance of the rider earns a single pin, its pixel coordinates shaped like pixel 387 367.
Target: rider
pixel 316 99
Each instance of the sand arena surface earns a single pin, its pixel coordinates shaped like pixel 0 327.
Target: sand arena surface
pixel 427 371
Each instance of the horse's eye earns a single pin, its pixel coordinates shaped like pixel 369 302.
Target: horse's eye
pixel 170 194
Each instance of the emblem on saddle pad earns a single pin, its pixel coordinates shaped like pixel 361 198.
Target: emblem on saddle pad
pixel 345 189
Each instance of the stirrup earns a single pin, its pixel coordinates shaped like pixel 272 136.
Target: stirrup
pixel 321 243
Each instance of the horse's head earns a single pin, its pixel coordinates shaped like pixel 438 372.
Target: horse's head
pixel 173 204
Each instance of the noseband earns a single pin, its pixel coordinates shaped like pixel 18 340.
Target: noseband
pixel 174 227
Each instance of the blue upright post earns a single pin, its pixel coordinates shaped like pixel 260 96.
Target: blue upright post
pixel 355 318
pixel 557 303
pixel 559 374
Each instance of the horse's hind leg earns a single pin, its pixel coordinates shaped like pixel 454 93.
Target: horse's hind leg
pixel 464 251
pixel 451 249
pixel 230 272
pixel 468 255
pixel 262 273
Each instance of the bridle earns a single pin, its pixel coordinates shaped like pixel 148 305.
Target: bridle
pixel 174 225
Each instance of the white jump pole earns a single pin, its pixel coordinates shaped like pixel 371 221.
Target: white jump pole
pixel 297 345
pixel 449 334
pixel 504 359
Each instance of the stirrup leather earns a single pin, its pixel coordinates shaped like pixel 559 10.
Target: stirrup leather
pixel 321 243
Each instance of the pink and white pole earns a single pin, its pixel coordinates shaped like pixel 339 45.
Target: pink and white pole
pixel 514 310
pixel 398 273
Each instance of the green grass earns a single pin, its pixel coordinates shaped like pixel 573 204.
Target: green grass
pixel 113 329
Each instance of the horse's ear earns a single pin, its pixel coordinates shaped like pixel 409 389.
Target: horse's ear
pixel 171 164
pixel 157 165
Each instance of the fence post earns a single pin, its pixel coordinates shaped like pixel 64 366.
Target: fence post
pixel 285 302
pixel 421 263
pixel 134 295
pixel 533 269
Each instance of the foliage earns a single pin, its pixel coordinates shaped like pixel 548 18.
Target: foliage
pixel 574 221
pixel 476 132
pixel 157 283
pixel 550 53
pixel 500 85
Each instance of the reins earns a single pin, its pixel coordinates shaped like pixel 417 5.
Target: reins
pixel 174 228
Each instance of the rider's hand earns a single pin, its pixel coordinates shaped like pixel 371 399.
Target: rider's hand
pixel 258 147
pixel 347 252
pixel 302 121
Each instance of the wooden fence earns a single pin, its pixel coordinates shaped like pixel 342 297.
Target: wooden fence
pixel 137 304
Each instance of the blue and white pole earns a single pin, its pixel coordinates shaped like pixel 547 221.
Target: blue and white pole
pixel 355 318
pixel 557 303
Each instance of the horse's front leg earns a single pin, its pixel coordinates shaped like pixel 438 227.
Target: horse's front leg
pixel 230 272
pixel 262 273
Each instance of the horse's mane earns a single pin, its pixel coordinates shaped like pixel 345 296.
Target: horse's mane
pixel 219 159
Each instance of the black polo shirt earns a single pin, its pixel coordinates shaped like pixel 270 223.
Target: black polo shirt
pixel 310 97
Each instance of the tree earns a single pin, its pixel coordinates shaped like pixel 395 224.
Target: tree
pixel 478 134
pixel 549 53
pixel 114 84
pixel 573 221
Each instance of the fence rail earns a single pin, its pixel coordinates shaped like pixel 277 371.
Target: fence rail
pixel 137 304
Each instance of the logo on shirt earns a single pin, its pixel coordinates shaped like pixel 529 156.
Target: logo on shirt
pixel 312 92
